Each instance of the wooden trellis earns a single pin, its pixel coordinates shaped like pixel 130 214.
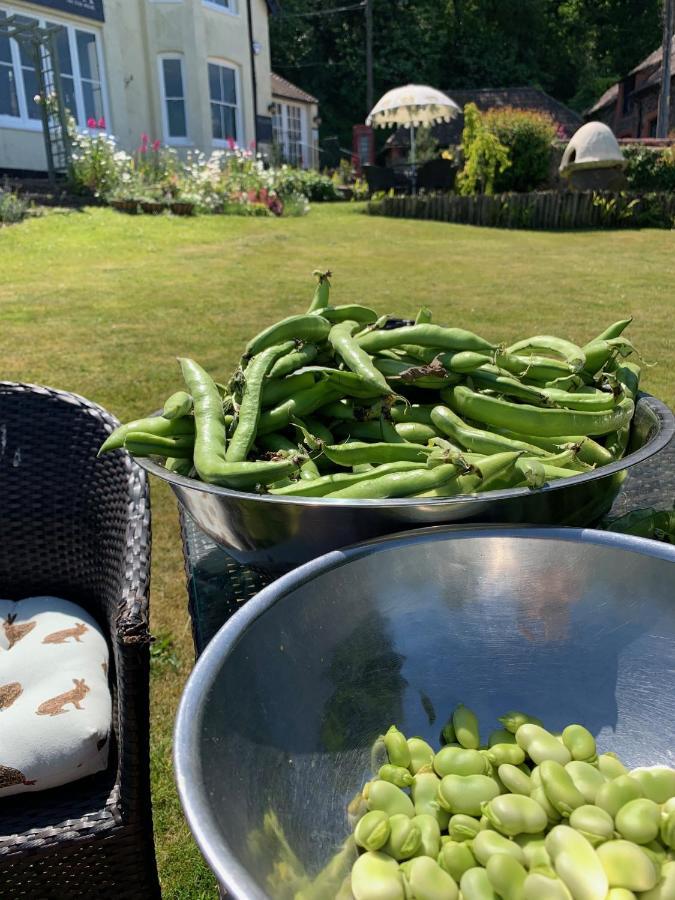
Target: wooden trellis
pixel 40 42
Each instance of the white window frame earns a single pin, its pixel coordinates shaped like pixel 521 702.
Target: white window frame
pixel 173 141
pixel 284 105
pixel 232 9
pixel 23 122
pixel 239 119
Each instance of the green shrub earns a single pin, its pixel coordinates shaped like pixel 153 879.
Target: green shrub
pixel 485 157
pixel 528 136
pixel 649 168
pixel 13 208
pixel 316 187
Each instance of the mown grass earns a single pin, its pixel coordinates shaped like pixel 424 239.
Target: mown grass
pixel 101 304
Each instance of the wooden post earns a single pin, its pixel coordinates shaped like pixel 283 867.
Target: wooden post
pixel 663 121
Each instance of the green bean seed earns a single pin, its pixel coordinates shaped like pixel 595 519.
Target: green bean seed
pixel 465 724
pixel 639 821
pixel 421 754
pixel 587 779
pixel 513 814
pixel 667 829
pixel 514 779
pixel 404 837
pixel 430 831
pixel 620 894
pixel 475 885
pixel 614 794
pixel 665 889
pixel 499 754
pixel 463 828
pixel 576 863
pixel 466 793
pixel 456 858
pixel 536 855
pixel 396 775
pixel 426 880
pixel 559 787
pixel 538 886
pixel 397 747
pixel 501 736
pixel 627 866
pixel 507 876
pixel 611 766
pixel 488 843
pixel 424 792
pixel 538 794
pixel 513 720
pixel 375 876
pixel 372 830
pixel 459 761
pixel 540 744
pixel 387 797
pixel 580 742
pixel 593 823
pixel 657 782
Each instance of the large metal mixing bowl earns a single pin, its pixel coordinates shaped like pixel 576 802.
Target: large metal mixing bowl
pixel 276 534
pixel 275 726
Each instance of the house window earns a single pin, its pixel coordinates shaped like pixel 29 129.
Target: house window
pixel 224 93
pixel 78 61
pixel 228 5
pixel 173 96
pixel 287 126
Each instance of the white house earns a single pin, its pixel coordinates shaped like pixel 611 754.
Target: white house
pixel 191 73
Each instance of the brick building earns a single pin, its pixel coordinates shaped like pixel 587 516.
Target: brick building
pixel 630 107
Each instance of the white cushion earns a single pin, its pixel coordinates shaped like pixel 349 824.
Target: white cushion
pixel 55 703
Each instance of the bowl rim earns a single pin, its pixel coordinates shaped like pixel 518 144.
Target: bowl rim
pixel 186 747
pixel 656 444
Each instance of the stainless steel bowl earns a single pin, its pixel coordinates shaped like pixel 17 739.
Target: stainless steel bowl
pixel 276 534
pixel 275 725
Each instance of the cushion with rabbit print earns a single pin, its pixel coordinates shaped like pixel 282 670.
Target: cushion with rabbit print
pixel 55 703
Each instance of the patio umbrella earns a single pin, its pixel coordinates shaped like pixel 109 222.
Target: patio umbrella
pixel 412 105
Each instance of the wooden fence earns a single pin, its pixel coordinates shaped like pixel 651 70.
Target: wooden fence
pixel 547 210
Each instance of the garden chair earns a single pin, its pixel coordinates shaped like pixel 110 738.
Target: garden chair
pixel 383 178
pixel 78 527
pixel 437 175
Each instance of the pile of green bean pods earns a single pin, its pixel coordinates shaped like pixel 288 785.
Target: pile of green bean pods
pixel 531 815
pixel 340 402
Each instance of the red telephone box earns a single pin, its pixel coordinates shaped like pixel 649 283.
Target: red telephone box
pixel 363 146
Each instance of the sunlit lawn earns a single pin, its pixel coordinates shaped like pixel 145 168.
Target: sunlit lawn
pixel 101 304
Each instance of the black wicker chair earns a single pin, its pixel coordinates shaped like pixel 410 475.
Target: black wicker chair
pixel 78 527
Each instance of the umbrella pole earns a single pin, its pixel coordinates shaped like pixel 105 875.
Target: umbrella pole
pixel 412 159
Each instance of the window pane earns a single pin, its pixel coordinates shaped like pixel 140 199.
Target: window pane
pixel 229 85
pixel 8 102
pixel 173 78
pixel 86 51
pixel 62 45
pixel 93 102
pixel 216 124
pixel 5 51
pixel 214 82
pixel 68 94
pixel 31 86
pixel 230 122
pixel 176 116
pixel 25 47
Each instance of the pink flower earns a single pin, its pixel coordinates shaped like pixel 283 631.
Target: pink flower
pixel 144 139
pixel 231 143
pixel 143 148
pixel 251 146
pixel 101 122
pixel 156 145
pixel 91 122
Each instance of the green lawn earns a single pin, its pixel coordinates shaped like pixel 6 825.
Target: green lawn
pixel 101 303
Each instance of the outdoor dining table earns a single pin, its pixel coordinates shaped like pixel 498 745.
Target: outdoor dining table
pixel 218 585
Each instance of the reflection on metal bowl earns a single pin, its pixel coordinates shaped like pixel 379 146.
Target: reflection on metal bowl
pixel 276 724
pixel 275 534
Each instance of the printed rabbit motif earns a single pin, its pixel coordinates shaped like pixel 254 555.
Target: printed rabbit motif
pixel 10 777
pixel 54 706
pixel 61 637
pixel 14 632
pixel 9 693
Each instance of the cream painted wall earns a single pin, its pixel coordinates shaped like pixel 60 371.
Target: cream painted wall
pixel 133 36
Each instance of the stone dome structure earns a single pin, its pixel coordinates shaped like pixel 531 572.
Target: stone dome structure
pixel 593 146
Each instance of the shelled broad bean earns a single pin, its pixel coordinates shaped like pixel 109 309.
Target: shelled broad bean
pixel 342 390
pixel 457 823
